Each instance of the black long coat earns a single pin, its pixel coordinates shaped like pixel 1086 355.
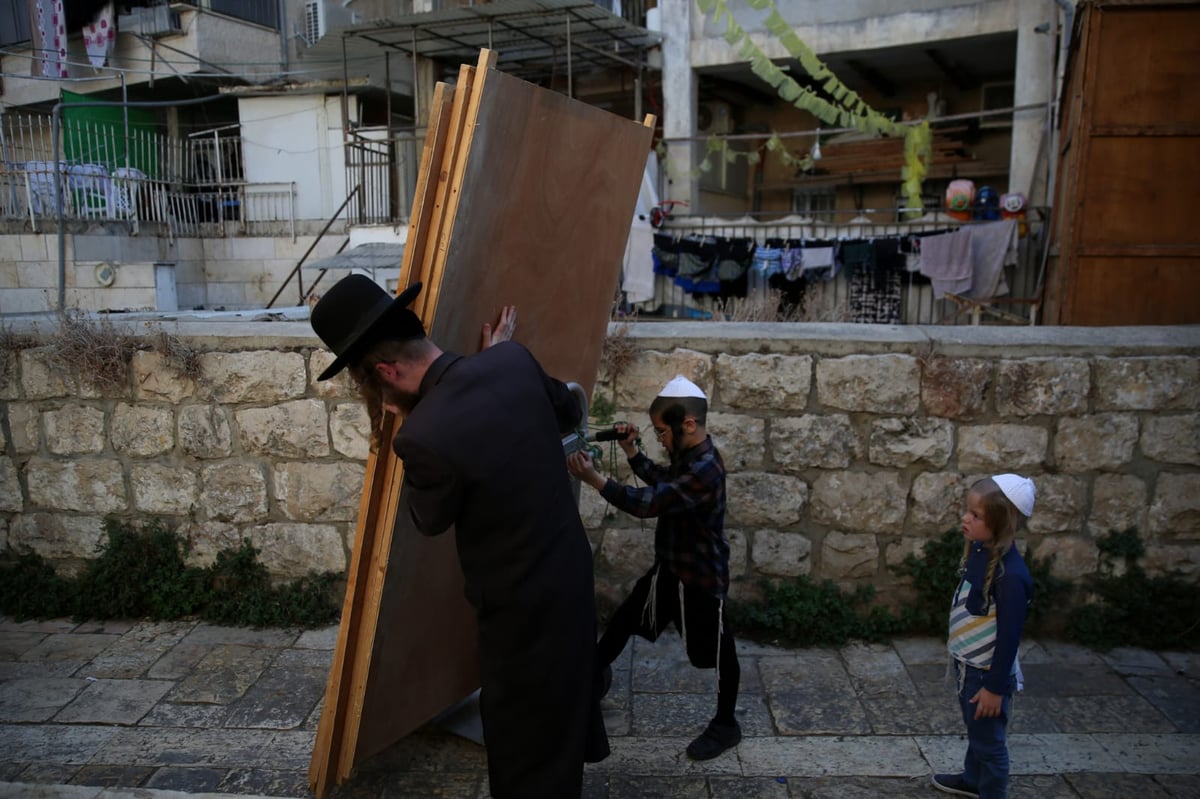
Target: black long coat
pixel 482 450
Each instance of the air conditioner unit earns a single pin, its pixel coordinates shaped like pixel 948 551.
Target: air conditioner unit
pixel 322 16
pixel 714 119
pixel 157 20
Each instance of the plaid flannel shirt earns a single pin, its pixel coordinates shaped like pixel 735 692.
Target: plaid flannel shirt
pixel 689 500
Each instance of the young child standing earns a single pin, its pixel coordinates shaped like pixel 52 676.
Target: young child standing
pixel 689 580
pixel 986 618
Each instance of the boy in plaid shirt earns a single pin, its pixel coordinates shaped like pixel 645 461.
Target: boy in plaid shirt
pixel 689 580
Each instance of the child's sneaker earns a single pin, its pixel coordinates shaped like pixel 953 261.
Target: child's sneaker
pixel 716 738
pixel 955 784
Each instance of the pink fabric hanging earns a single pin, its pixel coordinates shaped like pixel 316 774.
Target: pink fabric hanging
pixel 49 25
pixel 99 35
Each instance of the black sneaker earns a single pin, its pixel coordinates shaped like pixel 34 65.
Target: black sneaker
pixel 716 738
pixel 953 783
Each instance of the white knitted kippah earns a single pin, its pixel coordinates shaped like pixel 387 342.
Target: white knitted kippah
pixel 680 386
pixel 1019 490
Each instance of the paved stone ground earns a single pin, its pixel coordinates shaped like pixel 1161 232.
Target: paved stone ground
pixel 118 710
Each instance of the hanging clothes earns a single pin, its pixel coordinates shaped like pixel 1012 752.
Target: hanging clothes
pixel 734 257
pixel 946 261
pixel 637 268
pixel 48 23
pixel 993 247
pixel 99 35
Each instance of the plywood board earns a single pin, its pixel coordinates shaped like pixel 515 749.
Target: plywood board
pixel 530 204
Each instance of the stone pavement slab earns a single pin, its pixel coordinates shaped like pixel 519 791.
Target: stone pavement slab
pixel 99 711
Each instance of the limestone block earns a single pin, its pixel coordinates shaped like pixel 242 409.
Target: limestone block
pixel 897 552
pixel 258 376
pixel 9 378
pixel 628 551
pixel 781 554
pixel 741 440
pixel 350 430
pixel 768 382
pixel 74 430
pixel 1172 439
pixel 1175 511
pixel 155 378
pixel 871 383
pixel 205 432
pixel 1172 559
pixel 296 429
pixel 737 553
pixel 11 500
pixel 207 539
pixel 757 499
pixel 161 489
pixel 319 492
pixel 900 442
pixel 860 501
pixel 954 387
pixel 233 491
pixel 1042 386
pixel 1061 504
pixel 42 377
pixel 938 501
pixel 1001 447
pixel 650 371
pixel 290 550
pixel 814 441
pixel 142 430
pixel 56 536
pixel 846 556
pixel 1147 384
pixel 1119 503
pixel 1073 556
pixel 1098 441
pixel 24 426
pixel 86 485
pixel 594 510
pixel 339 386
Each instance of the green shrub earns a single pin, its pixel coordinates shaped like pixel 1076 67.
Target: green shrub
pixel 1133 608
pixel 141 572
pixel 803 612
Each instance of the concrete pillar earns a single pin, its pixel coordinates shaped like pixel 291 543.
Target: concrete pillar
pixel 679 101
pixel 1034 84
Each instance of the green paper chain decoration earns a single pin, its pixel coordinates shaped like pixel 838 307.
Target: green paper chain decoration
pixel 848 109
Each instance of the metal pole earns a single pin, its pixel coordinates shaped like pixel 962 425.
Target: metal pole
pixel 570 77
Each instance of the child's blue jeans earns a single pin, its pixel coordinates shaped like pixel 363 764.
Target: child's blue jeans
pixel 986 763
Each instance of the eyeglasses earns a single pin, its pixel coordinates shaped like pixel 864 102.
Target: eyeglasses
pixel 661 432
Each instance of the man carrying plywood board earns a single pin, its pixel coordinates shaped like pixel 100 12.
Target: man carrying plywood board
pixel 526 197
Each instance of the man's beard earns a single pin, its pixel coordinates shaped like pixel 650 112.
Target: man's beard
pixel 404 400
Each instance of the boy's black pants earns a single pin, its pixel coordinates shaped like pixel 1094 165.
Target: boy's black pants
pixel 701 622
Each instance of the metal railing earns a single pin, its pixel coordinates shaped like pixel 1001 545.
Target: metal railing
pixel 192 186
pixel 833 300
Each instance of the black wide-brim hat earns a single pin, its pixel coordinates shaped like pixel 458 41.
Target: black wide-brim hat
pixel 356 313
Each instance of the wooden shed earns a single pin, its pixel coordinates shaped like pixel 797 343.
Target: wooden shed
pixel 1125 246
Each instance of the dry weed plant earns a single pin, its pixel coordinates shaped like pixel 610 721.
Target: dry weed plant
pixel 92 348
pixel 178 354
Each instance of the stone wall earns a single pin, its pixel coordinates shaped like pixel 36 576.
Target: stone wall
pixel 847 446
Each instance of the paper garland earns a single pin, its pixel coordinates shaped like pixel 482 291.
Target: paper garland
pixel 847 110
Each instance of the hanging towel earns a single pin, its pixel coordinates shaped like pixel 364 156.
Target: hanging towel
pixel 946 260
pixel 99 36
pixel 993 246
pixel 48 26
pixel 638 268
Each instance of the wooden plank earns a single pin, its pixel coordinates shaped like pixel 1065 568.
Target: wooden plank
pixel 1136 291
pixel 358 608
pixel 420 581
pixel 534 197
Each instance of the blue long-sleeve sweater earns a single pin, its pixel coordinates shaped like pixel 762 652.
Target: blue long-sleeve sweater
pixel 1011 591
